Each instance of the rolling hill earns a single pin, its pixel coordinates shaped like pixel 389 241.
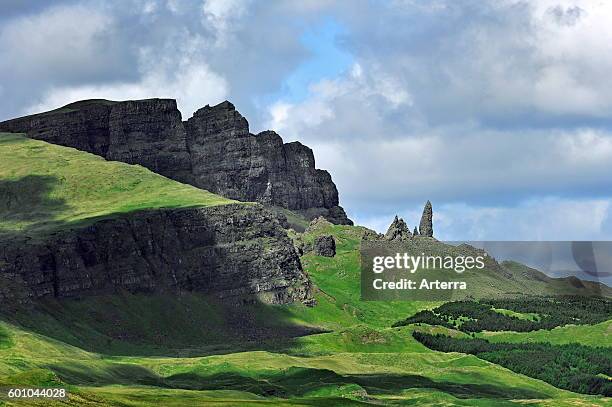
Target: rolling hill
pixel 360 361
pixel 183 345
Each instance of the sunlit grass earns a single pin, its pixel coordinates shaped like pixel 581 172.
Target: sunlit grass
pixel 45 186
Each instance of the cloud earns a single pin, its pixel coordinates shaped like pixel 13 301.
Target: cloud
pixel 358 132
pixel 353 106
pixel 536 219
pixel 46 57
pixel 549 218
pixel 486 108
pixel 52 44
pixel 497 109
pixel 194 83
pixel 492 61
pixel 224 17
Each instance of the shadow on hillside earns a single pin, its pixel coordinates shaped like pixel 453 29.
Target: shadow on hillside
pixel 173 324
pixel 27 199
pixel 180 321
pixel 288 383
pixel 297 381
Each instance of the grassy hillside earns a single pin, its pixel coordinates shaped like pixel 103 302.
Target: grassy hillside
pixel 590 335
pixel 142 350
pixel 360 361
pixel 44 187
pixel 398 372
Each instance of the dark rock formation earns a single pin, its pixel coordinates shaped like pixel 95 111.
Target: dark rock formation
pixel 370 235
pixel 398 230
pixel 229 160
pixel 231 251
pixel 415 232
pixel 325 246
pixel 146 132
pixel 213 150
pixel 316 224
pixel 426 225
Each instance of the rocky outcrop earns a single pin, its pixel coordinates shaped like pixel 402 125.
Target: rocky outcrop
pixel 426 224
pixel 232 251
pixel 229 160
pixel 398 230
pixel 213 150
pixel 325 246
pixel 146 132
pixel 370 235
pixel 317 223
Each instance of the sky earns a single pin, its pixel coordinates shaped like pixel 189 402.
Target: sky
pixel 499 112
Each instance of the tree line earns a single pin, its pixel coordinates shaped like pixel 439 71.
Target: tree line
pixel 471 316
pixel 574 367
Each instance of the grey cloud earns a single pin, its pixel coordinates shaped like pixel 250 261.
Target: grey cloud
pixel 485 103
pixel 501 105
pixel 567 16
pixel 102 43
pixel 493 62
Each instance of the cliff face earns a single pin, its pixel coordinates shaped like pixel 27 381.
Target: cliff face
pixel 213 150
pixel 231 251
pixel 148 132
pixel 232 162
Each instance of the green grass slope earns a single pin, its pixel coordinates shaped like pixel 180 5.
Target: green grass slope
pixel 138 350
pixel 44 187
pixel 361 361
pixel 589 335
pixel 395 375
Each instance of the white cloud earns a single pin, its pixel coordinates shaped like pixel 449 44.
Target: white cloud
pixel 472 103
pixel 55 39
pixel 541 219
pixel 223 16
pixel 193 85
pixel 358 94
pixel 380 167
pixel 491 60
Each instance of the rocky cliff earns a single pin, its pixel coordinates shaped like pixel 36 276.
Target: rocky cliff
pixel 231 251
pixel 213 150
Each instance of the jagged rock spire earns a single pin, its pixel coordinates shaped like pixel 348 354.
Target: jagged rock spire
pixel 426 225
pixel 415 232
pixel 398 230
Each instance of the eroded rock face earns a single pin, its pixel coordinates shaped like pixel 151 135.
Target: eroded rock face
pixel 398 230
pixel 232 162
pixel 317 223
pixel 213 150
pixel 325 246
pixel 150 133
pixel 146 132
pixel 370 235
pixel 231 251
pixel 426 224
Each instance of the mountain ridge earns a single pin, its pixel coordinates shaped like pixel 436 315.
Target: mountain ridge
pixel 212 150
